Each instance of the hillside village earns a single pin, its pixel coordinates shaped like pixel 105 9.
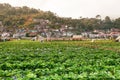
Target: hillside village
pixel 63 32
pixel 27 23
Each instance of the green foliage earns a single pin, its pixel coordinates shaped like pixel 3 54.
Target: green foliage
pixel 28 60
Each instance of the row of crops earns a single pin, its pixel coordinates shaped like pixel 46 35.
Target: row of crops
pixel 64 60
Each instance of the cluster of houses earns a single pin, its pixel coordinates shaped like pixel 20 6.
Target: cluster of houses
pixel 43 31
pixel 57 35
pixel 101 34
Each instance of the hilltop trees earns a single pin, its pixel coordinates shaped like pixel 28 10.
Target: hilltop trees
pixel 23 17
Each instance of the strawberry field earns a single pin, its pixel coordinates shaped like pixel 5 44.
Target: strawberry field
pixel 62 60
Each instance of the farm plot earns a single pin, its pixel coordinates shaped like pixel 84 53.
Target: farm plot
pixel 64 60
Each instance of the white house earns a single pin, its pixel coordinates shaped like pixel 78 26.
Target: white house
pixel 77 37
pixel 5 36
pixel 19 35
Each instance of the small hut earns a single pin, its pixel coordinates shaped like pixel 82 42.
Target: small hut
pixel 117 39
pixel 38 38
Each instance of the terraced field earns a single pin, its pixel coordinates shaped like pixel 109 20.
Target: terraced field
pixel 61 60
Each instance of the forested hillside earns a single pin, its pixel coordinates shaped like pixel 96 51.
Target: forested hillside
pixel 24 17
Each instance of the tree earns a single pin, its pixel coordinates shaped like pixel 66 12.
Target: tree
pixel 117 23
pixel 107 23
pixel 107 19
pixel 98 16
